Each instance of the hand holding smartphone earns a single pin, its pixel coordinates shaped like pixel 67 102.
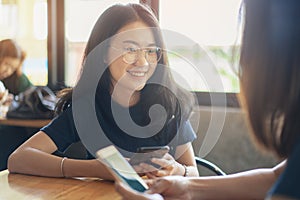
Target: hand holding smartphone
pixel 145 154
pixel 120 168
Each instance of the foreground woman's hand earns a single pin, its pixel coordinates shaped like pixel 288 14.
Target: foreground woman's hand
pixel 130 194
pixel 171 187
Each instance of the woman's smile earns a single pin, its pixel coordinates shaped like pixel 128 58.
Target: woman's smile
pixel 138 74
pixel 142 72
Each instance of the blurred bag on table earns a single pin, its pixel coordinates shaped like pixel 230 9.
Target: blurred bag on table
pixel 37 102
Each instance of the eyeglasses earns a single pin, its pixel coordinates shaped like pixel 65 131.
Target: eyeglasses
pixel 131 54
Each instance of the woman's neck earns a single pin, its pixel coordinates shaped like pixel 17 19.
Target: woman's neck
pixel 125 97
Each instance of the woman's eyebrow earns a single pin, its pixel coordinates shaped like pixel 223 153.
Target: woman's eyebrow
pixel 137 44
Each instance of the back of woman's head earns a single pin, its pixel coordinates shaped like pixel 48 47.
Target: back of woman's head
pixel 270 72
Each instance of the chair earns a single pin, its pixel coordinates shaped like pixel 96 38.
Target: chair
pixel 209 165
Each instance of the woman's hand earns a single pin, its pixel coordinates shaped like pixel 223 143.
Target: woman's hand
pixel 167 166
pixel 9 99
pixel 130 194
pixel 172 188
pixel 3 96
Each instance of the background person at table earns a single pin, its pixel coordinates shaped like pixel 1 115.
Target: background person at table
pixel 15 81
pixel 136 67
pixel 270 95
pixel 11 60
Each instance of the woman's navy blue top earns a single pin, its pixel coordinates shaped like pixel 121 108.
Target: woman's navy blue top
pixel 62 129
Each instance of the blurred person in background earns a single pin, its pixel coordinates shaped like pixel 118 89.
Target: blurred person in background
pixel 15 81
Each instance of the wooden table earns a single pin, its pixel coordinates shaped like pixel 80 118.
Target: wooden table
pixel 17 186
pixel 30 123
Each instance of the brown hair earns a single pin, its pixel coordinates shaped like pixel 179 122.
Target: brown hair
pixel 9 48
pixel 270 72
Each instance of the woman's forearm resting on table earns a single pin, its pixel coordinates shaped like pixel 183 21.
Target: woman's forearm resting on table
pixel 253 184
pixel 43 164
pixel 35 157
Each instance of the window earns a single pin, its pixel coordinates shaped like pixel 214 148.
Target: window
pixel 26 22
pixel 212 25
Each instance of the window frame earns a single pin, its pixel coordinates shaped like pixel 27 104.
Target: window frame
pixel 56 44
pixel 56 55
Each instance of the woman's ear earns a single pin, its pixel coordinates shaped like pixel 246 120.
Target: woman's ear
pixel 105 58
pixel 107 53
pixel 23 56
pixel 19 69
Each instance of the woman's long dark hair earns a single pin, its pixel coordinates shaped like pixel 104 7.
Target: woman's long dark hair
pixel 270 72
pixel 108 24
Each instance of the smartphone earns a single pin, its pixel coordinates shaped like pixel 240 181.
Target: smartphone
pixel 120 168
pixel 145 154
